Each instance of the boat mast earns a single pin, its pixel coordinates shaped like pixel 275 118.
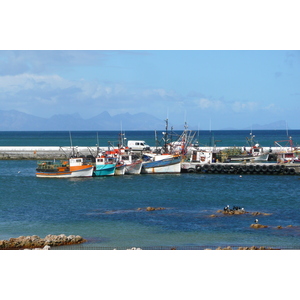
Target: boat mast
pixel 166 135
pixel 73 153
pixel 156 142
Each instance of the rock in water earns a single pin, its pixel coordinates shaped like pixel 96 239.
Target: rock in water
pixel 31 242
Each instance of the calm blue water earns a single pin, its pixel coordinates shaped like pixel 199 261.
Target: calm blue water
pixel 105 210
pixel 265 138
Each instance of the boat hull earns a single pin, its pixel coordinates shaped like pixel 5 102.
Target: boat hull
pixel 85 172
pixel 263 157
pixel 133 168
pixel 162 166
pixel 120 170
pixel 104 170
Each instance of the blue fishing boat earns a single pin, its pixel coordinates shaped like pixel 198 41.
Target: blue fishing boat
pixel 104 166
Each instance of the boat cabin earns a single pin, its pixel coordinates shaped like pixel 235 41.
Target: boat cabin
pixel 203 157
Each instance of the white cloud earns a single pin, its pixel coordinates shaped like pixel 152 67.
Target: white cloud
pixel 238 106
pixel 270 106
pixel 204 103
pixel 15 84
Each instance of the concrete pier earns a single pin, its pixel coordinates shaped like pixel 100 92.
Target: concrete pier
pixel 37 153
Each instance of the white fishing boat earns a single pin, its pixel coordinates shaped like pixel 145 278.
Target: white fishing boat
pixel 132 166
pixel 128 162
pixel 161 163
pixel 288 152
pixel 255 153
pixel 120 168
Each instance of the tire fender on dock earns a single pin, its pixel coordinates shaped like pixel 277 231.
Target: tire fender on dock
pixel 286 171
pixel 257 168
pixel 277 168
pixel 212 168
pixel 206 167
pixel 251 168
pixel 292 171
pixel 219 168
pixel 198 168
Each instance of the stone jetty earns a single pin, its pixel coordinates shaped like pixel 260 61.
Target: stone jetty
pixel 34 241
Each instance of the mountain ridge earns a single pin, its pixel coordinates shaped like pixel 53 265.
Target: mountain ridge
pixel 14 120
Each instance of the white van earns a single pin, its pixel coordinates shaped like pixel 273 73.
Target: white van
pixel 138 145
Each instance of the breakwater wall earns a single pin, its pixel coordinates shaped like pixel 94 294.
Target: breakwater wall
pixel 36 153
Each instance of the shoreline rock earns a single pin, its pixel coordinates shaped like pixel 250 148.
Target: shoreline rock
pixel 256 226
pixel 244 248
pixel 241 212
pixel 149 208
pixel 34 241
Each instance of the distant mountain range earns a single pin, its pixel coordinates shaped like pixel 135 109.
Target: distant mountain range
pixel 14 120
pixel 279 125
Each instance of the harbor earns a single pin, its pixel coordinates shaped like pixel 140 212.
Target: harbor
pixel 117 211
pixel 174 153
pixel 188 164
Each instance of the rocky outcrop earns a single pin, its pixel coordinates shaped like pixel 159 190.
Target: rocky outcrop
pixel 255 248
pixel 241 212
pixel 244 248
pixel 232 212
pixel 226 248
pixel 257 213
pixel 34 241
pixel 256 226
pixel 150 208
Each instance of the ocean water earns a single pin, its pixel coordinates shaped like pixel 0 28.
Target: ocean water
pixel 110 211
pixel 221 138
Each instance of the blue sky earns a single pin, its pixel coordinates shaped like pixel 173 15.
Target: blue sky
pixel 221 88
pixel 217 64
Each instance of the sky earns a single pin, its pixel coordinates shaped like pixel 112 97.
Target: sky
pixel 221 85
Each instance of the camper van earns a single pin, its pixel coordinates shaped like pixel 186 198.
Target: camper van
pixel 138 145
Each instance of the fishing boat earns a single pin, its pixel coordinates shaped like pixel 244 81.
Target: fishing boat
pixel 127 161
pixel 161 163
pixel 73 167
pixel 168 158
pixel 256 152
pixel 120 168
pixel 104 166
pixel 288 152
pixel 132 166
